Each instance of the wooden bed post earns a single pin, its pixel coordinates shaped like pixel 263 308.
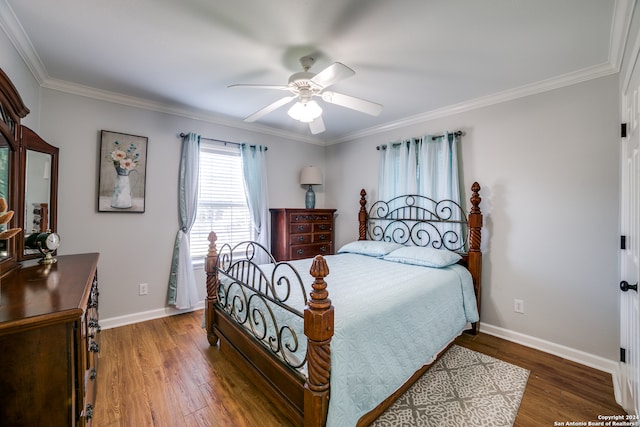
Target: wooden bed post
pixel 211 268
pixel 318 327
pixel 362 216
pixel 475 233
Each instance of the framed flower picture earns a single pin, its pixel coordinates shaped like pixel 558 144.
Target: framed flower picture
pixel 122 172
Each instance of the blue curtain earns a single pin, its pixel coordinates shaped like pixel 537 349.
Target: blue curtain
pixel 183 292
pixel 427 166
pixel 254 169
pixel 438 168
pixel 398 169
pixel 438 179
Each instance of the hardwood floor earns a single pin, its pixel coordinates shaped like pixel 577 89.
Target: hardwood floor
pixel 558 390
pixel 164 373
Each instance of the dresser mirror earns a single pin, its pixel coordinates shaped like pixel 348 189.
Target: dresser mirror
pixel 39 175
pixel 28 176
pixel 12 109
pixel 5 151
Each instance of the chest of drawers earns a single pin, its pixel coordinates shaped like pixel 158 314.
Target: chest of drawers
pixel 301 233
pixel 49 343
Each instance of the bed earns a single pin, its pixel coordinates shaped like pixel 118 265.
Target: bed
pixel 402 293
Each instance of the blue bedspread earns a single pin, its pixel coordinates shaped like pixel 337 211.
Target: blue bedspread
pixel 390 320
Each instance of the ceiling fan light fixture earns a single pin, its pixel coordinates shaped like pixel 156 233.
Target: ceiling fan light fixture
pixel 305 112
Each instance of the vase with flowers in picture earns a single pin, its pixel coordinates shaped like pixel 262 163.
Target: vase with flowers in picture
pixel 124 162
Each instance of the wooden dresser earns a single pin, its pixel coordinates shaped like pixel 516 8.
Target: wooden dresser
pixel 49 340
pixel 301 233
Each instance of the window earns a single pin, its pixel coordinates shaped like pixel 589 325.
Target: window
pixel 222 205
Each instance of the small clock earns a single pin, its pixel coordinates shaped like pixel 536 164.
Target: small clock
pixel 46 243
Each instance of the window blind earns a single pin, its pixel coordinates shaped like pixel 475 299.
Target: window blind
pixel 222 204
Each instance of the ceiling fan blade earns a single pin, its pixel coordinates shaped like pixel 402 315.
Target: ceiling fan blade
pixel 269 108
pixel 354 103
pixel 278 87
pixel 317 125
pixel 332 74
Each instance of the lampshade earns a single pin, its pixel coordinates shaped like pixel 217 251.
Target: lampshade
pixel 311 175
pixel 305 111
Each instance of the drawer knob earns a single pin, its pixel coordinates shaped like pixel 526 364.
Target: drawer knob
pixel 88 412
pixel 323 249
pixel 301 228
pixel 322 227
pixel 323 237
pixel 93 323
pixel 301 238
pixel 300 251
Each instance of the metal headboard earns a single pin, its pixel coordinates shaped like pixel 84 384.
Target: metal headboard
pixel 419 221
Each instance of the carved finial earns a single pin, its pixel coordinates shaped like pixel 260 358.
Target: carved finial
pixel 475 198
pixel 362 216
pixel 213 237
pixel 319 295
pixel 475 219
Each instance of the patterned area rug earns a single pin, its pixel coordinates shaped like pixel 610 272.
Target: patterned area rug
pixel 464 388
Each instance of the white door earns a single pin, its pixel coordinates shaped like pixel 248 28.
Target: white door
pixel 628 393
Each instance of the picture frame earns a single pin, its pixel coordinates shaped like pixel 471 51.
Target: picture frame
pixel 122 172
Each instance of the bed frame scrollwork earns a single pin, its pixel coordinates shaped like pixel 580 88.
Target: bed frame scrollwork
pixel 257 300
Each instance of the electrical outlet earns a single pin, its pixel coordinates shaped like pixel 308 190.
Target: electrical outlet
pixel 518 306
pixel 143 289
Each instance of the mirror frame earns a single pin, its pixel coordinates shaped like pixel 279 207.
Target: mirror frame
pixel 32 141
pixel 13 110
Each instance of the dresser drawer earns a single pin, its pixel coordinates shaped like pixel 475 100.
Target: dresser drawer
pixel 321 237
pixel 309 251
pixel 300 239
pixel 295 228
pixel 320 227
pixel 310 217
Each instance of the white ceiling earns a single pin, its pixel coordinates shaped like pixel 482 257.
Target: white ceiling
pixel 419 58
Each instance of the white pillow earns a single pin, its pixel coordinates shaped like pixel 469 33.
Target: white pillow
pixel 428 257
pixel 369 247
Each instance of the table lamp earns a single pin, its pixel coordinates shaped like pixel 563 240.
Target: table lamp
pixel 310 176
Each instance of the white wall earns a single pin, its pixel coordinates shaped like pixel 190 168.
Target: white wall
pixel 137 248
pixel 548 167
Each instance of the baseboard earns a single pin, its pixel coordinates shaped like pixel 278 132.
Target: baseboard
pixel 114 322
pixel 578 356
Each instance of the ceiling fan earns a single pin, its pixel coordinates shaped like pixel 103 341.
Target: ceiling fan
pixel 304 86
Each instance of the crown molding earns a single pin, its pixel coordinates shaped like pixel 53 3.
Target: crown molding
pixel 18 37
pixel 508 95
pixel 131 101
pixel 568 79
pixel 620 27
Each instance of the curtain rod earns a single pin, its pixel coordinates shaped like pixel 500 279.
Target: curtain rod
pixel 433 138
pixel 456 133
pixel 182 135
